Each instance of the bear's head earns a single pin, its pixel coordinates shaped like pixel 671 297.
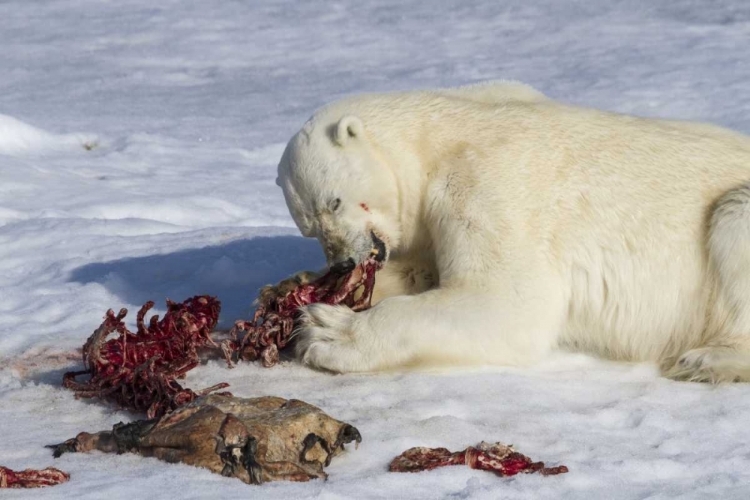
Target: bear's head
pixel 340 190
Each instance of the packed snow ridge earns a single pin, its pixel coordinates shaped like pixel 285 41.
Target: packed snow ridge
pixel 17 138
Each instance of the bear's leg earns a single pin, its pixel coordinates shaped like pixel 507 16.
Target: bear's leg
pixel 445 326
pixel 725 355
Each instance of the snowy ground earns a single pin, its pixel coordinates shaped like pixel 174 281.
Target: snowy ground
pixel 138 144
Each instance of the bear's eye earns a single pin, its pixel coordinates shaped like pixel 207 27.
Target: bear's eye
pixel 335 204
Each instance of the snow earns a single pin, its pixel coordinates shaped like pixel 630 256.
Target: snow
pixel 17 138
pixel 138 144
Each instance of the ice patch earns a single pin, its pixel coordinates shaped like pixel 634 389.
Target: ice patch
pixel 10 215
pixel 266 155
pixel 17 138
pixel 195 211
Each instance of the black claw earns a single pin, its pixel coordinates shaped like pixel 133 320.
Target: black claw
pixel 347 434
pixel 310 441
pixel 227 471
pixel 69 446
pixel 251 465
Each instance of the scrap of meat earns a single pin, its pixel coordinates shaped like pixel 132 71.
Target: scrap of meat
pixel 138 370
pixel 273 323
pixel 31 478
pixel 501 459
pixel 255 440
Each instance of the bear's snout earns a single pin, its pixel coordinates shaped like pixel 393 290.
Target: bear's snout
pixel 343 267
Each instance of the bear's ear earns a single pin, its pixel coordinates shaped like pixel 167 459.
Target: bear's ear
pixel 349 127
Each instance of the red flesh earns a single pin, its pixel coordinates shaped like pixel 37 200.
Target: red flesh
pixel 274 321
pixel 138 371
pixel 498 458
pixel 31 478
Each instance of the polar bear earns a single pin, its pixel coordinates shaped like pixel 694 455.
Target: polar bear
pixel 511 225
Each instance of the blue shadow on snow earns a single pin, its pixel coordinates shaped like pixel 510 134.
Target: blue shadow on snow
pixel 233 273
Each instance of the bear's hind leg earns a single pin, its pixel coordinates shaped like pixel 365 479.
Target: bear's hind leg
pixel 725 355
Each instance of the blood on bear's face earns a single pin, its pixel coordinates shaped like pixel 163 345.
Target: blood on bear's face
pixel 338 191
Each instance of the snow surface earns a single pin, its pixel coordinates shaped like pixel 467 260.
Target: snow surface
pixel 138 144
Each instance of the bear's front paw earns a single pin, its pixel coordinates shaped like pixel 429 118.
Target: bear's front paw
pixel 329 337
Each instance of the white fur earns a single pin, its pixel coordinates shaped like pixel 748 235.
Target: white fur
pixel 516 225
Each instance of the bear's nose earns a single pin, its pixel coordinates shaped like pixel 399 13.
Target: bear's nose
pixel 343 267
